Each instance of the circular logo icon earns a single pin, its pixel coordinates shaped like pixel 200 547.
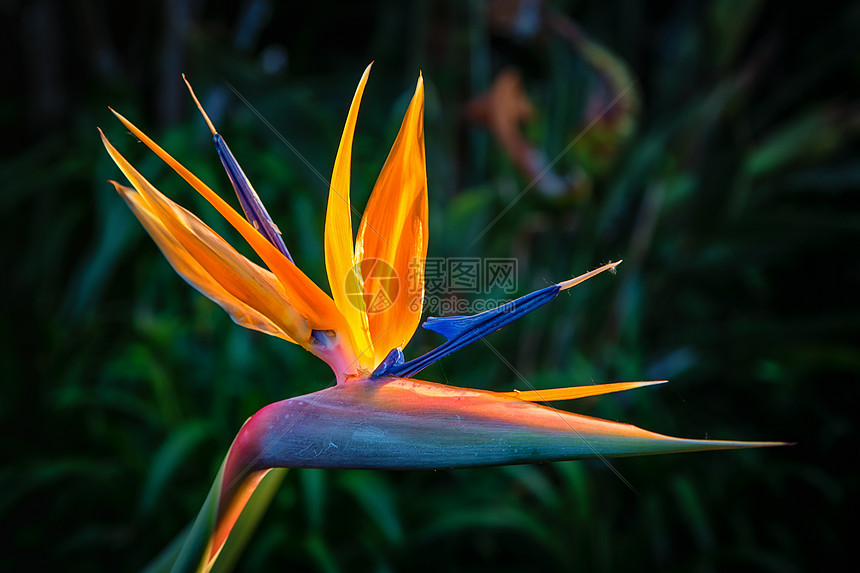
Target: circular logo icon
pixel 372 285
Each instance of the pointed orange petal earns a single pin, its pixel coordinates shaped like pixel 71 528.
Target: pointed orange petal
pixel 392 238
pixel 196 275
pixel 574 392
pixel 226 268
pixel 345 282
pixel 319 310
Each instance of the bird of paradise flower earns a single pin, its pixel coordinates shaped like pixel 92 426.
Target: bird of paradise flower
pixel 376 415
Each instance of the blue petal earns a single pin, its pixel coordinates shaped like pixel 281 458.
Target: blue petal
pixel 255 212
pixel 461 331
pixel 392 360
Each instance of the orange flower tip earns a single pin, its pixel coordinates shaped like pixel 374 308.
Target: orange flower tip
pixel 123 119
pixel 105 140
pixel 582 278
pixel 200 107
pixel 365 74
pixel 118 115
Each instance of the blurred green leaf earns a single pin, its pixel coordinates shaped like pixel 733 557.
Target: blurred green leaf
pixel 374 495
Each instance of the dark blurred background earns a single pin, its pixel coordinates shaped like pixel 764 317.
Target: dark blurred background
pixel 712 145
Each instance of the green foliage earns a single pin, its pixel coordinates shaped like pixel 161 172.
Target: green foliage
pixel 734 204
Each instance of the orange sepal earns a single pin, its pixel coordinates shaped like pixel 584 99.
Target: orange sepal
pixel 343 277
pixel 394 231
pixel 232 272
pixel 247 311
pixel 316 306
pixel 574 392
